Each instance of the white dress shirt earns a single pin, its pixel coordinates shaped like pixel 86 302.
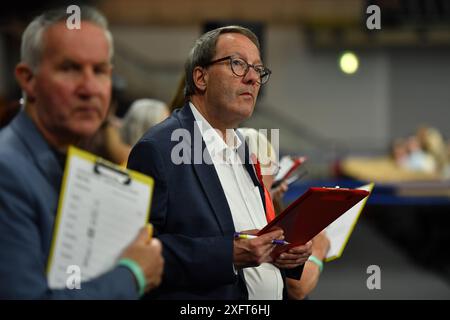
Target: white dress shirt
pixel 243 197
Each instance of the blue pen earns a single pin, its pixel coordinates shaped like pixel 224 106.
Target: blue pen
pixel 239 235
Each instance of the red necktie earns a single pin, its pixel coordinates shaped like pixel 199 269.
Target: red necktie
pixel 270 210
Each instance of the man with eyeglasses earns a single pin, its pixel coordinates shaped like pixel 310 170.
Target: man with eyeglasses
pixel 206 188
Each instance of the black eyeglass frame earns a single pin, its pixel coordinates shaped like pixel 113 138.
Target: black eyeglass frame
pixel 267 71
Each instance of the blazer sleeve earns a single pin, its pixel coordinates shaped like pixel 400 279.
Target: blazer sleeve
pixel 192 262
pixel 22 257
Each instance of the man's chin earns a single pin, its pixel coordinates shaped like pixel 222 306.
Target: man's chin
pixel 246 112
pixel 87 130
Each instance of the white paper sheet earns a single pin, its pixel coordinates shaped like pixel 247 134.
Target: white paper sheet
pixel 340 230
pixel 99 216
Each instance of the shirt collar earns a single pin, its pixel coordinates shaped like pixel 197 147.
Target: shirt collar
pixel 212 137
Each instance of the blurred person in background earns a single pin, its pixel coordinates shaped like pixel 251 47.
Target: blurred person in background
pixel 142 115
pixel 408 154
pixel 423 152
pixel 115 138
pixel 432 142
pixel 178 99
pixel 260 146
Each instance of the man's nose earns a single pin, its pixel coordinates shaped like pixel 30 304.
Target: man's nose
pixel 89 84
pixel 252 76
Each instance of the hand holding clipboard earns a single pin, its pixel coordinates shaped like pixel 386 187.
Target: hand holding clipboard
pixel 102 208
pixel 311 213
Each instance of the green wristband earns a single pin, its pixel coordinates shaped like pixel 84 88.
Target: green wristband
pixel 137 272
pixel 317 261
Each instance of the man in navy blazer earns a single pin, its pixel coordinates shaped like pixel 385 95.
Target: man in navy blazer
pixel 206 188
pixel 66 77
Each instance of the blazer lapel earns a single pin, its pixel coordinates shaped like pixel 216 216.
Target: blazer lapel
pixel 206 173
pixel 44 158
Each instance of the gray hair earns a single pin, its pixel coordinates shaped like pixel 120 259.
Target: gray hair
pixel 204 50
pixel 142 115
pixel 32 45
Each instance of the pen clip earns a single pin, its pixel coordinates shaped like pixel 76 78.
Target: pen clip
pixel 104 167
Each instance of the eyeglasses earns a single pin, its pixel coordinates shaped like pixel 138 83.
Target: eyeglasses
pixel 240 68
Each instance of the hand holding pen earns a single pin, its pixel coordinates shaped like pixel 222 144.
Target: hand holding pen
pixel 238 235
pixel 250 250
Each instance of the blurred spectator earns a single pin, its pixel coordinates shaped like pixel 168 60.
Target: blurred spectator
pixel 424 152
pixel 399 152
pixel 178 99
pixel 114 139
pixel 107 142
pixel 142 115
pixel 266 155
pixel 261 147
pixel 418 159
pixel 432 142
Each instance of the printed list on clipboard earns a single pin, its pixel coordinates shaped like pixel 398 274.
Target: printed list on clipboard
pixel 101 209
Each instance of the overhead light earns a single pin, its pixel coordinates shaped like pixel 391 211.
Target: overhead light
pixel 348 62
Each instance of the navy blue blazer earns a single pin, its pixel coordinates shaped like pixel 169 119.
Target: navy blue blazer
pixel 190 212
pixel 30 179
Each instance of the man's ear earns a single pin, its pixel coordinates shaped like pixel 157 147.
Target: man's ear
pixel 26 79
pixel 200 77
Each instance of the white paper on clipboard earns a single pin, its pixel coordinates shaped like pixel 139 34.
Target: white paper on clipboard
pixel 340 230
pixel 100 211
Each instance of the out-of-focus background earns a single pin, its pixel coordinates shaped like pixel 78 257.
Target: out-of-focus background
pixel 363 105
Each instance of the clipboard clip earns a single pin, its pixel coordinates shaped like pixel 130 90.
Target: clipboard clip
pixel 112 171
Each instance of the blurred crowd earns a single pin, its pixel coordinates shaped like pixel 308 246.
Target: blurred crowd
pixel 425 151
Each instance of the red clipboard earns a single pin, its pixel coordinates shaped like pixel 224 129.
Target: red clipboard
pixel 311 213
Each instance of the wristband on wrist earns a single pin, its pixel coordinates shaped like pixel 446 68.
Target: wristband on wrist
pixel 137 272
pixel 317 261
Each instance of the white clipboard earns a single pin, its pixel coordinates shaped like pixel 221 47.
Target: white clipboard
pixel 340 230
pixel 101 208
